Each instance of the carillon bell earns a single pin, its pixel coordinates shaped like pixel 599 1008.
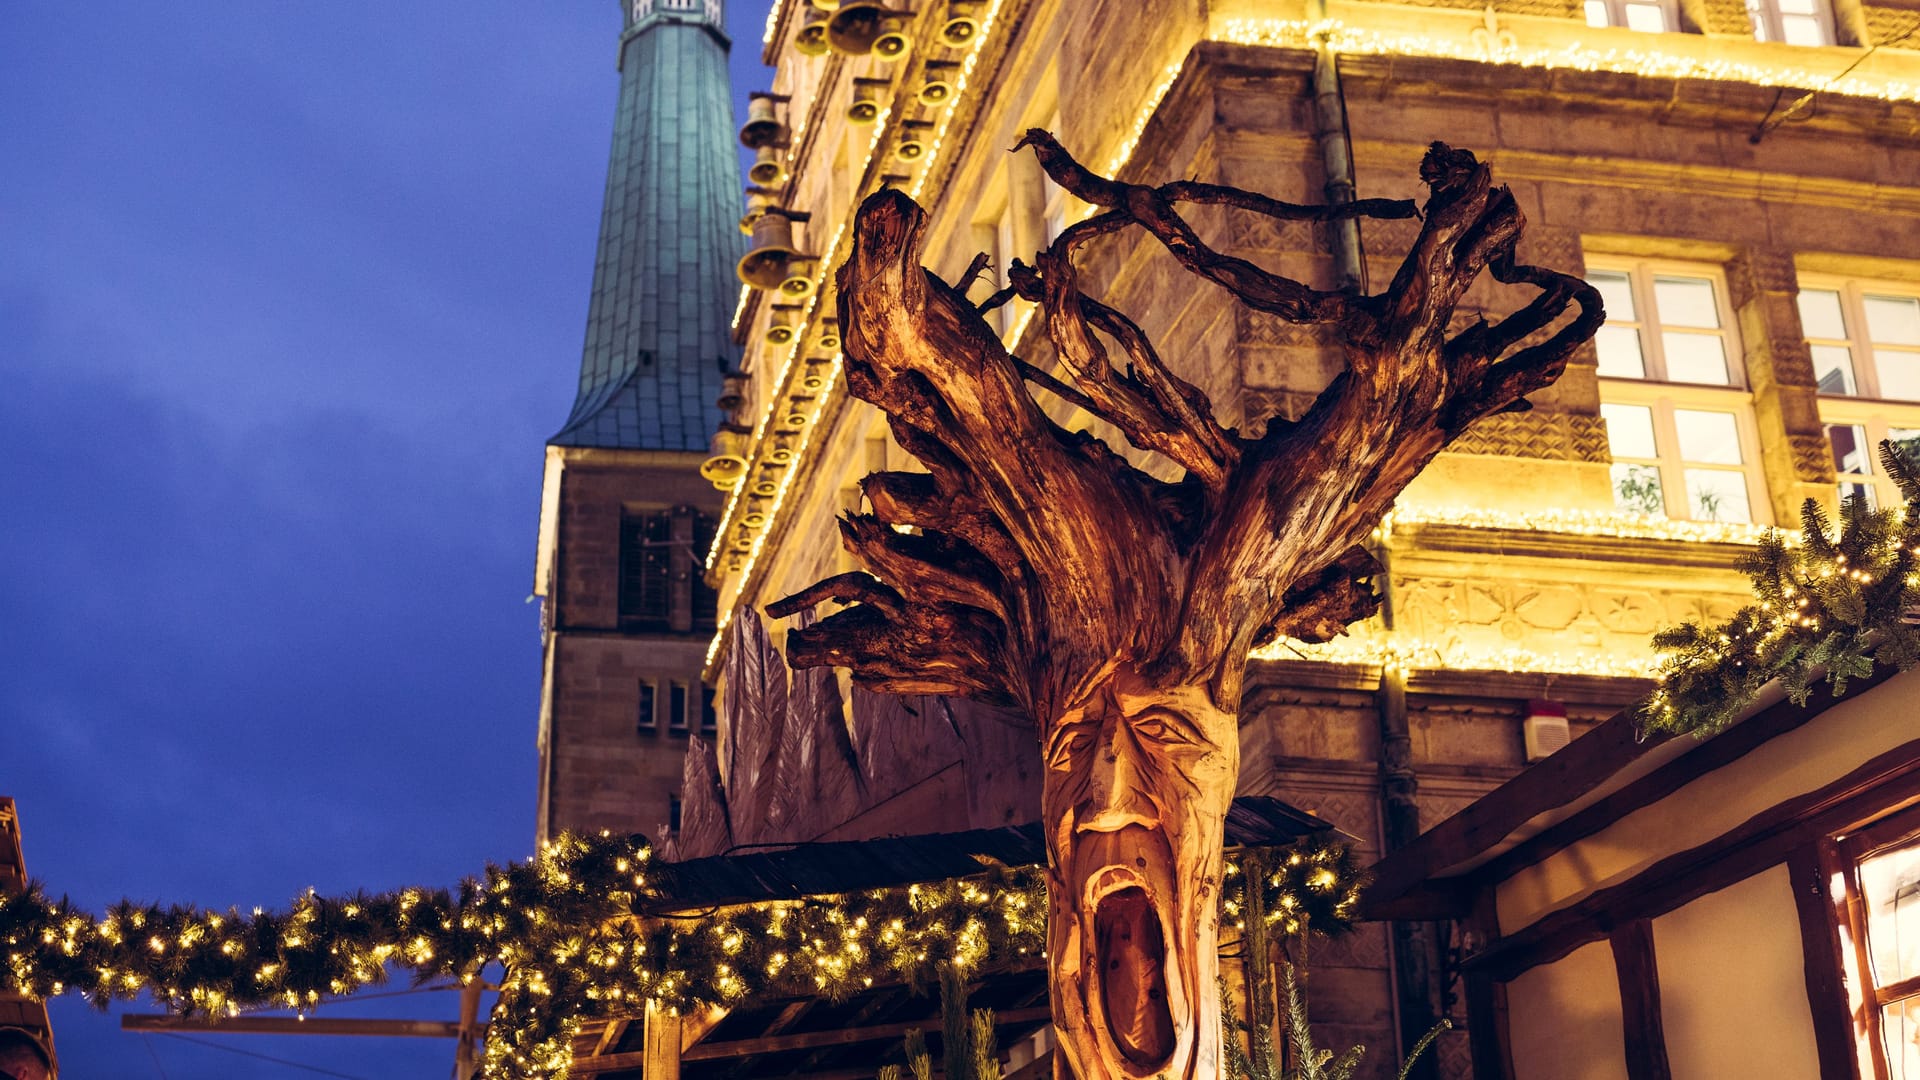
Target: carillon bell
pixel 771 252
pixel 768 169
pixel 829 340
pixel 758 199
pixel 814 377
pixel 826 5
pixel 865 108
pixel 936 87
pixel 763 127
pixel 783 325
pixel 724 471
pixel 811 38
pixel 962 27
pixel 912 145
pixel 858 25
pixel 798 284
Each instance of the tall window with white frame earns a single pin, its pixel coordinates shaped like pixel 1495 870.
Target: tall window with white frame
pixel 1653 16
pixel 1795 22
pixel 1680 424
pixel 1865 341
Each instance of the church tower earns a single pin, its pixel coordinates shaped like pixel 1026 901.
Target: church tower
pixel 625 518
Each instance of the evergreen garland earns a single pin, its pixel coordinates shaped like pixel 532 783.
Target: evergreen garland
pixel 1829 608
pixel 579 934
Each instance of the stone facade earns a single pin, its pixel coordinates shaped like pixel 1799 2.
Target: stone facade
pixel 1519 583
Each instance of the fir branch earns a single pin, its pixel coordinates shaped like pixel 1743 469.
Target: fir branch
pixel 1827 611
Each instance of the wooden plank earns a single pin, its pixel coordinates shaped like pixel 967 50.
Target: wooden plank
pixel 807 1040
pixel 1486 999
pixel 1635 967
pixel 1405 883
pixel 1888 782
pixel 660 1031
pixel 1820 945
pixel 293 1025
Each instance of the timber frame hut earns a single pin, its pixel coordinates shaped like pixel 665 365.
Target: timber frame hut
pixel 1745 904
pixel 815 1037
pixel 26 1036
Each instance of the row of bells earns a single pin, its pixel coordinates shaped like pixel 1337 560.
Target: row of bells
pixel 868 27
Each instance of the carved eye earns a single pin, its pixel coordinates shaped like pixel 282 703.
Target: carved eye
pixel 1076 741
pixel 1156 728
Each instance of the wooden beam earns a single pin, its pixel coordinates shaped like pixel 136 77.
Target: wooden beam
pixel 660 1060
pixel 1820 946
pixel 293 1025
pixel 1889 782
pixel 805 1040
pixel 1634 965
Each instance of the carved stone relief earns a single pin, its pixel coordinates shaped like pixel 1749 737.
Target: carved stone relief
pixel 1538 434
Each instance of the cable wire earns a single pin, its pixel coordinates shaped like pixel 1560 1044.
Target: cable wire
pixel 263 1057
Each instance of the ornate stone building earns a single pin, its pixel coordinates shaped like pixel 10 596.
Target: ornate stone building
pixel 1747 202
pixel 625 516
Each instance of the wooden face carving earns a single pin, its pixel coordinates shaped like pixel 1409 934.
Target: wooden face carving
pixel 1136 791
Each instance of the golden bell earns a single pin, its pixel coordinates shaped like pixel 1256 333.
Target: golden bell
pixel 753 519
pixel 768 257
pixel 768 170
pixel 780 455
pixel 865 108
pixel 811 38
pixel 762 128
pixel 826 5
pixel 765 488
pixel 855 26
pixel 797 284
pixel 783 325
pixel 724 472
pixel 829 336
pixel 891 45
pixel 937 88
pixel 960 32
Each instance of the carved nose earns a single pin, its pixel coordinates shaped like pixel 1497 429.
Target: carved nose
pixel 1115 795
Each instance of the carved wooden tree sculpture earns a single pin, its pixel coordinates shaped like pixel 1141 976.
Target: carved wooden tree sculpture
pixel 1046 571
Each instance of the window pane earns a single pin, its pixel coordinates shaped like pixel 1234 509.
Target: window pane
pixel 1797 7
pixel 1616 291
pixel 1710 437
pixel 1685 301
pixel 1619 349
pixel 1900 1028
pixel 1629 430
pixel 1907 441
pixel 1695 358
pixel 1858 491
pixel 1597 13
pixel 1820 314
pixel 1646 17
pixel 1892 320
pixel 1850 451
pixel 1636 489
pixel 1833 367
pixel 1802 30
pixel 1899 374
pixel 1717 495
pixel 1890 889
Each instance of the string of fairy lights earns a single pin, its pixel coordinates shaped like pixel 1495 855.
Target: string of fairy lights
pixel 587 929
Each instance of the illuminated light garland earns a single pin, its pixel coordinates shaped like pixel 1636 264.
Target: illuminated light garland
pixel 773 21
pixel 1123 154
pixel 1603 523
pixel 1353 41
pixel 740 308
pixel 571 929
pixel 1409 653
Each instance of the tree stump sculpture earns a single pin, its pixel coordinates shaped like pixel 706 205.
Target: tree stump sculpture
pixel 1034 566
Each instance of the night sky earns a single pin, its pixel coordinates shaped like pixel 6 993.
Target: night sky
pixel 290 297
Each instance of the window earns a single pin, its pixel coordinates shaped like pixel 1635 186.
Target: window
pixel 676 708
pixel 646 570
pixel 1796 22
pixel 706 599
pixel 1649 15
pixel 1865 342
pixel 1681 431
pixel 673 813
pixel 645 722
pixel 1883 902
pixel 1865 338
pixel 709 716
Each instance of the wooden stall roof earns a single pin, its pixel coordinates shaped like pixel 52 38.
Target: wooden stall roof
pixel 1598 778
pixel 853 865
pixel 817 1039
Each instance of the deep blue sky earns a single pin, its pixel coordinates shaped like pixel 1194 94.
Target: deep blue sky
pixel 290 296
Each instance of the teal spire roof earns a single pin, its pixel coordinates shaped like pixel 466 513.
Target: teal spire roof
pixel 658 334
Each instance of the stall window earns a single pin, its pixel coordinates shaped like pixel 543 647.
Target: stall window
pixel 1883 913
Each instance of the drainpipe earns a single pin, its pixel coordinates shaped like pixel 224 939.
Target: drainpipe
pixel 1336 154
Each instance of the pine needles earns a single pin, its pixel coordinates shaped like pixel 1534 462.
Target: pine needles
pixel 1828 610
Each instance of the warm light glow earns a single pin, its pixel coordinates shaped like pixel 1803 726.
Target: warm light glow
pixel 1408 653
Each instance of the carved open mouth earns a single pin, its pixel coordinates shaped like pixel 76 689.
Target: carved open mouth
pixel 1130 965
